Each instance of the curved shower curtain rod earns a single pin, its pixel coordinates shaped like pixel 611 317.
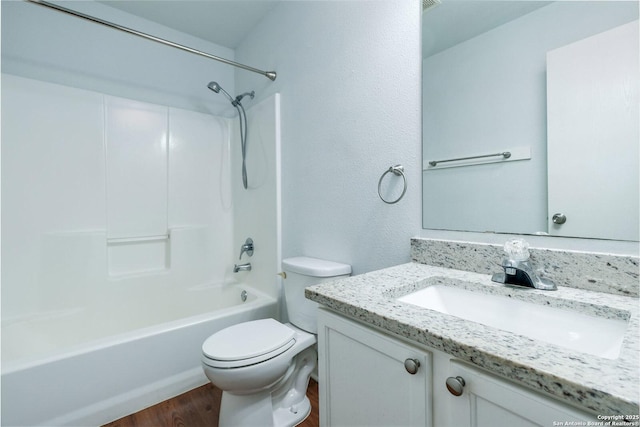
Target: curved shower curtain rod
pixel 269 74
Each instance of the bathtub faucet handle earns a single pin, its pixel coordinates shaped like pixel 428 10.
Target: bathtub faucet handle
pixel 247 247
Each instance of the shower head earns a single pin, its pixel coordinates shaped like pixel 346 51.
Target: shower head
pixel 214 86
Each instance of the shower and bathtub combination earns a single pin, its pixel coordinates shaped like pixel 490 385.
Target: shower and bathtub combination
pixel 122 220
pixel 112 282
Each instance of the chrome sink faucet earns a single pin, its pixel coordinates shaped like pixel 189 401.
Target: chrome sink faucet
pixel 518 270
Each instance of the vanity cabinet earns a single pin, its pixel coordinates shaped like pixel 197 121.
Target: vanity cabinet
pixel 364 382
pixel 491 401
pixel 370 379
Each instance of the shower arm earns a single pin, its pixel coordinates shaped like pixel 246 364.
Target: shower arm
pixel 271 75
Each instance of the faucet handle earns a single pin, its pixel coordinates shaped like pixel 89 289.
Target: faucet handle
pixel 247 247
pixel 517 249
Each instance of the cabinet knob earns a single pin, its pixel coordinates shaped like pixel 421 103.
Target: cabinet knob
pixel 455 385
pixel 559 218
pixel 412 365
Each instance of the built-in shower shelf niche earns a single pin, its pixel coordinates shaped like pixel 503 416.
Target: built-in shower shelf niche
pixel 138 255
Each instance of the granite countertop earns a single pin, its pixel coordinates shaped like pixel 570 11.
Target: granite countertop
pixel 600 385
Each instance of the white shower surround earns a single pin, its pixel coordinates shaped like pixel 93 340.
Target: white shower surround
pixel 85 208
pixel 76 295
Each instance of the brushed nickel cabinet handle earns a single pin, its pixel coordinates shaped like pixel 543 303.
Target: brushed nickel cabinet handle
pixel 412 365
pixel 455 385
pixel 559 218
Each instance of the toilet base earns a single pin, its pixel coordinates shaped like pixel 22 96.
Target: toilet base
pixel 289 417
pixel 256 410
pixel 284 405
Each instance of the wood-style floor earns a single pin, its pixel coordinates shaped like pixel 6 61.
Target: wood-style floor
pixel 198 408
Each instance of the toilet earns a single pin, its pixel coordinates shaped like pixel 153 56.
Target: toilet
pixel 263 366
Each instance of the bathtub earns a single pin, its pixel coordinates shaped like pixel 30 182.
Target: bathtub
pixel 90 366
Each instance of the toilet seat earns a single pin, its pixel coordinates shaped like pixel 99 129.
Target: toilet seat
pixel 247 343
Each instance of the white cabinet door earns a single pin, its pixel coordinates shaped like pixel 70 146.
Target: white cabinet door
pixel 488 401
pixel 363 379
pixel 593 134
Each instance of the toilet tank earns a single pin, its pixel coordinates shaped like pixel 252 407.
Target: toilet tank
pixel 300 273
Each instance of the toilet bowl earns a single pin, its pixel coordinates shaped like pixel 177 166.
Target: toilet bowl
pixel 263 366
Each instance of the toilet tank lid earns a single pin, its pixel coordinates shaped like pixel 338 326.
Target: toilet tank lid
pixel 315 267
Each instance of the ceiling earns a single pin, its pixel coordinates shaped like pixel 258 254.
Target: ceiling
pixel 227 22
pixel 223 22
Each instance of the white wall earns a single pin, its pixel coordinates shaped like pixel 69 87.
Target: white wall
pixel 349 78
pixel 488 95
pixel 48 45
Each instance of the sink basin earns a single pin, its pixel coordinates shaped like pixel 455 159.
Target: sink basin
pixel 576 331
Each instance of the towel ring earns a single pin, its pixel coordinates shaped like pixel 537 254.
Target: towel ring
pixel 397 170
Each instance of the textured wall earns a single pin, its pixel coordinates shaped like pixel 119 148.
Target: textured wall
pixel 349 77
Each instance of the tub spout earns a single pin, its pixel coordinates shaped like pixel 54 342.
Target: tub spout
pixel 242 267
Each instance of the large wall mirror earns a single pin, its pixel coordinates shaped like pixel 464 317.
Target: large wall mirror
pixel 530 118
